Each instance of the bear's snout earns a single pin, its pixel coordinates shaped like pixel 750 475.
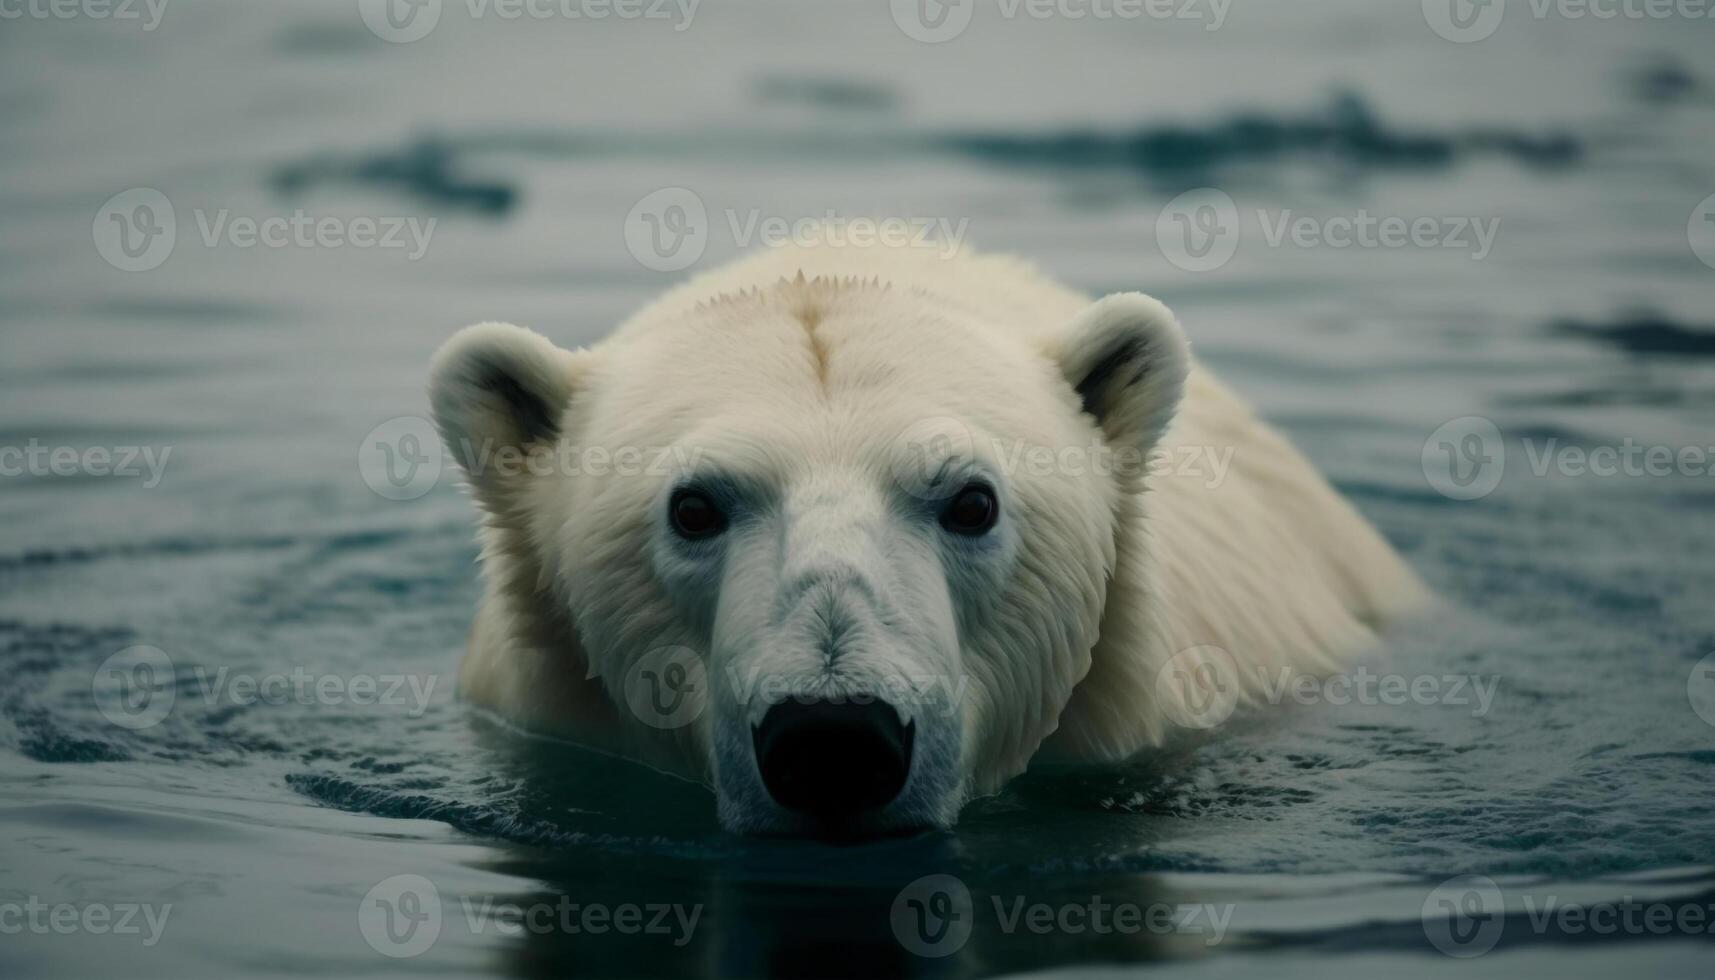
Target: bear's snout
pixel 830 760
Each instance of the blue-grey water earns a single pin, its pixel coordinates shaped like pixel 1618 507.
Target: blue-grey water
pixel 250 831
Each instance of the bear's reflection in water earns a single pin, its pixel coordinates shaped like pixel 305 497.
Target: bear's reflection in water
pixel 637 879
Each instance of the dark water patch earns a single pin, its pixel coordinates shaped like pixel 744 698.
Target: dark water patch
pixel 1348 133
pixel 184 310
pixel 1593 397
pixel 1663 83
pixel 1536 926
pixel 180 547
pixel 830 94
pixel 1702 758
pixel 310 40
pixel 1644 332
pixel 482 820
pixel 427 169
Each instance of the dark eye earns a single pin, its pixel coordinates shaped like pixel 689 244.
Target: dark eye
pixel 694 515
pixel 972 511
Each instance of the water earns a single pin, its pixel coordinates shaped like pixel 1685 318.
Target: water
pixel 1314 833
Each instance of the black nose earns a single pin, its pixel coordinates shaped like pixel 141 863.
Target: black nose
pixel 833 760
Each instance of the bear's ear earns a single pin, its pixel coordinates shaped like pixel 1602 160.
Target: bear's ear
pixel 1127 359
pixel 497 388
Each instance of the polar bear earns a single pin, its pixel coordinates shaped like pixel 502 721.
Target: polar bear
pixel 854 534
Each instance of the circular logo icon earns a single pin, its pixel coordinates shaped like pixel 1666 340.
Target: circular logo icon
pixel 400 459
pixel 136 687
pixel 667 687
pixel 1700 231
pixel 668 229
pixel 1199 687
pixel 1198 231
pixel 401 916
pixel 1463 21
pixel 933 916
pixel 1464 916
pixel 933 21
pixel 1465 458
pixel 1700 688
pixel 927 457
pixel 135 230
pixel 400 21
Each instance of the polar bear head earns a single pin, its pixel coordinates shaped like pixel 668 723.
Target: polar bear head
pixel 840 549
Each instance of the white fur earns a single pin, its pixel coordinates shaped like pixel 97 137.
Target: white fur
pixel 807 382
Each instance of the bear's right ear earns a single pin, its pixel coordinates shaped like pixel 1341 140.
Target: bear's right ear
pixel 499 389
pixel 1126 358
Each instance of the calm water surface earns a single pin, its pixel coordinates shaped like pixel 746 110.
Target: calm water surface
pixel 1304 841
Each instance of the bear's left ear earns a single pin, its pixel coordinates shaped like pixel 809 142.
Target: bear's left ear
pixel 1127 358
pixel 496 388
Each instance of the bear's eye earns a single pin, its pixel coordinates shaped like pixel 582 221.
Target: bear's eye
pixel 694 515
pixel 972 511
